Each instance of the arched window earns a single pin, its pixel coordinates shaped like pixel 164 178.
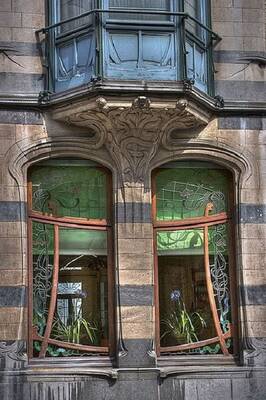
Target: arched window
pixel 70 277
pixel 192 210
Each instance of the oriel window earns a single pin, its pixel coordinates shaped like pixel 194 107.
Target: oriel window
pixel 194 269
pixel 70 284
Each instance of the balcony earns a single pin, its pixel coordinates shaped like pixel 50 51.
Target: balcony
pixel 167 44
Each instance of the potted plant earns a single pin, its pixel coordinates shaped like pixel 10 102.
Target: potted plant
pixel 181 324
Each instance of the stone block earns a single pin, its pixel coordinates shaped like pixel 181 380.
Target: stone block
pixel 255 313
pixel 10 245
pixel 5 6
pixel 230 43
pixel 135 246
pixel 249 4
pixel 252 15
pixel 142 330
pixel 226 14
pixel 21 64
pixel 11 277
pixel 12 315
pixel 10 19
pixel 136 262
pixel 13 193
pixel 254 277
pixel 29 6
pixel 135 277
pixel 253 262
pixel 249 389
pixel 248 29
pixel 134 195
pixel 255 137
pixel 253 231
pixel 36 21
pixel 253 196
pixel 23 35
pixel 5 34
pixel 224 29
pixel 30 131
pixel 253 43
pixel 11 230
pixel 135 230
pixel 136 314
pixel 253 246
pixel 12 296
pixel 222 3
pixel 256 329
pixel 209 389
pixel 229 71
pixel 13 331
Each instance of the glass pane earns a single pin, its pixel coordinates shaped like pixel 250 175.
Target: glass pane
pixel 152 5
pixel 73 8
pixel 185 313
pixel 81 313
pixel 218 250
pixel 183 190
pixel 69 189
pixel 42 262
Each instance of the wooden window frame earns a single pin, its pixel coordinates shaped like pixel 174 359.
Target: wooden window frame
pixel 70 222
pixel 203 222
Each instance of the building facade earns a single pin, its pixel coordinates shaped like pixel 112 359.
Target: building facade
pixel 133 192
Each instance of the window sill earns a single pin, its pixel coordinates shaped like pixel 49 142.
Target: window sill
pixel 54 367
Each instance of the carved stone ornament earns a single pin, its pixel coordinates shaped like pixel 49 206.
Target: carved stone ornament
pixel 257 351
pixel 132 130
pixel 14 350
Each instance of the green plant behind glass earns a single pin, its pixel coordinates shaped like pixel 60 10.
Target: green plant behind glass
pixel 181 324
pixel 76 330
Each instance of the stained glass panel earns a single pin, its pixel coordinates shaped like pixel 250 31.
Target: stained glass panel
pixel 69 190
pixel 184 192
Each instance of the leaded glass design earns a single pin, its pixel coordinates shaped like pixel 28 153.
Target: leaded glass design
pixel 73 190
pixel 184 192
pixel 69 259
pixel 193 259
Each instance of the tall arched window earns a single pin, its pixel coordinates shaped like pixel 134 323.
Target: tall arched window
pixel 192 210
pixel 70 275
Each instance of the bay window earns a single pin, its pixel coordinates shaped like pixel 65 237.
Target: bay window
pixel 162 40
pixel 194 269
pixel 70 259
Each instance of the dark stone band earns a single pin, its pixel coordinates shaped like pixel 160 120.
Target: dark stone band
pixel 239 90
pixel 11 211
pixel 13 296
pixel 252 213
pixel 133 212
pixel 20 117
pixel 136 295
pixel 254 295
pixel 22 48
pixel 13 82
pixel 251 123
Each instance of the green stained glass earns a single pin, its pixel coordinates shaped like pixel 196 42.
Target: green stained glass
pixel 183 192
pixel 72 189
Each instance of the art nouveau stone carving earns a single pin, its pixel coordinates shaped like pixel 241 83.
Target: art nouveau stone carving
pixel 131 131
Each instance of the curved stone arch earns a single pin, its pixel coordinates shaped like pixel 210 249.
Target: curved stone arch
pixel 27 152
pixel 240 162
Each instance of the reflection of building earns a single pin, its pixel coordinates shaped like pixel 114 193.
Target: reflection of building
pixel 140 137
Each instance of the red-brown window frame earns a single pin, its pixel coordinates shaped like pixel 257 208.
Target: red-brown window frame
pixel 70 222
pixel 190 223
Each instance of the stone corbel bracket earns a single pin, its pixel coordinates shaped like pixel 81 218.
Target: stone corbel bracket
pixel 132 129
